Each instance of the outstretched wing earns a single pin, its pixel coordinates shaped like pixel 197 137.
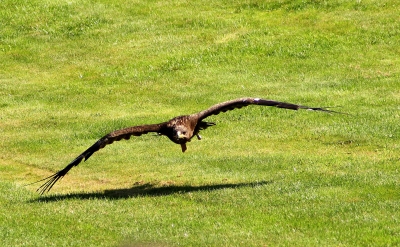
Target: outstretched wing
pixel 101 143
pixel 242 102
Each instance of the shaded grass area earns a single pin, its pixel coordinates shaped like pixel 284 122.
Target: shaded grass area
pixel 73 71
pixel 316 208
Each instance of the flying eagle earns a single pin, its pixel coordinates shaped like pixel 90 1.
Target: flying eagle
pixel 179 129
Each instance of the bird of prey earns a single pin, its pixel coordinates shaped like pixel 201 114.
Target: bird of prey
pixel 179 129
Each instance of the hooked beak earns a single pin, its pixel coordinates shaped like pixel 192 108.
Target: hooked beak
pixel 180 135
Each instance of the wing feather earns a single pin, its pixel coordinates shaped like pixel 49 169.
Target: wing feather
pixel 101 143
pixel 162 128
pixel 242 102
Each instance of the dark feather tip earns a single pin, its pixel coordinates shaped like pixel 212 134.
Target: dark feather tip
pixel 46 187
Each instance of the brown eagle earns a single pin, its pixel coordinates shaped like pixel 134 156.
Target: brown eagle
pixel 179 129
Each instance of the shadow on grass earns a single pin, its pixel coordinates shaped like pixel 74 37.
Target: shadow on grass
pixel 147 189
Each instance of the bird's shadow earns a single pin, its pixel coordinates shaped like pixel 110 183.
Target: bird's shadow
pixel 147 189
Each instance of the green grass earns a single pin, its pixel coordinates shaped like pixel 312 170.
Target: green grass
pixel 72 71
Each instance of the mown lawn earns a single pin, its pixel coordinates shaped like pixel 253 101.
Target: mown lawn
pixel 72 71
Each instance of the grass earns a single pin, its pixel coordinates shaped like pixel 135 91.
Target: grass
pixel 73 71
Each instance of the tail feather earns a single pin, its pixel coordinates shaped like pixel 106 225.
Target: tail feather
pixel 204 125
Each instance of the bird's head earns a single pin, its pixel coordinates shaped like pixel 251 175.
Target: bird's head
pixel 182 134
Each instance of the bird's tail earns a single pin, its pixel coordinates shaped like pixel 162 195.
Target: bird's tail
pixel 204 125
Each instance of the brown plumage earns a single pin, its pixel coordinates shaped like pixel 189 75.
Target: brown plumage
pixel 180 130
